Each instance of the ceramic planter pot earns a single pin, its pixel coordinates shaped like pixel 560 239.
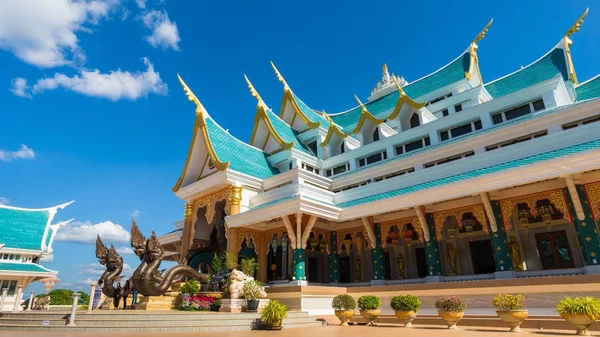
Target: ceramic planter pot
pixel 513 318
pixel 370 315
pixel 451 318
pixel 580 322
pixel 344 316
pixel 252 305
pixel 274 326
pixel 406 317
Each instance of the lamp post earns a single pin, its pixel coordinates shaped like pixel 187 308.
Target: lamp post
pixel 523 215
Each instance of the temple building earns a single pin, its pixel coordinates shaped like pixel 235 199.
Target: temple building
pixel 449 177
pixel 26 236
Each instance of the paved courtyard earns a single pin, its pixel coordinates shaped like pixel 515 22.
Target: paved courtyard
pixel 330 331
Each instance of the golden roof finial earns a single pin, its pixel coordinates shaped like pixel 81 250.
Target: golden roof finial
pixel 385 69
pixel 279 77
pixel 484 31
pixel 191 97
pixel 362 106
pixel 575 28
pixel 253 91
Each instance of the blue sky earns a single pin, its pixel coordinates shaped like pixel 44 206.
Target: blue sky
pixel 102 120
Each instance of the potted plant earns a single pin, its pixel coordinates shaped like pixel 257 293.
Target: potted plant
pixel 451 309
pixel 344 306
pixel 369 306
pixel 511 309
pixel 190 287
pixel 273 314
pixel 252 291
pixel 406 308
pixel 580 311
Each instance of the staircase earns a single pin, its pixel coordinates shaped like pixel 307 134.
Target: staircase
pixel 144 321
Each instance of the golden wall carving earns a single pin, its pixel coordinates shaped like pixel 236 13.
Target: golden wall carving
pixel 353 231
pixel 318 231
pixel 209 202
pixel 269 235
pixel 478 211
pixel 592 192
pixel 251 236
pixel 401 223
pixel 557 198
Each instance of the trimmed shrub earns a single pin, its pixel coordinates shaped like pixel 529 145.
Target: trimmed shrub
pixel 451 303
pixel 507 302
pixel 406 303
pixel 369 302
pixel 343 302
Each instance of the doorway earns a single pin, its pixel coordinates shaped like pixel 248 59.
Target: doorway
pixel 421 262
pixel 345 269
pixel 313 269
pixel 554 250
pixel 386 266
pixel 482 257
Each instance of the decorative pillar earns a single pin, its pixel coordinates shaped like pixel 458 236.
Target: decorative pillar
pixel 30 303
pixel 334 259
pixel 502 256
pixel 377 255
pixel 586 228
pixel 18 297
pixel 299 265
pixel 92 294
pixel 235 198
pixel 4 294
pixel 187 232
pixel 73 310
pixel 432 251
pixel 263 250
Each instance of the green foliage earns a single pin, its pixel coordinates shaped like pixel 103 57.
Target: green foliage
pixel 369 302
pixel 506 302
pixel 65 297
pixel 226 292
pixel 231 260
pixel 253 290
pixel 274 312
pixel 589 306
pixel 190 287
pixel 248 266
pixel 451 303
pixel 406 302
pixel 216 265
pixel 343 302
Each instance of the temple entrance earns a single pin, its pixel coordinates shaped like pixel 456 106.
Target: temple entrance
pixel 313 269
pixel 386 266
pixel 554 250
pixel 421 262
pixel 345 269
pixel 482 257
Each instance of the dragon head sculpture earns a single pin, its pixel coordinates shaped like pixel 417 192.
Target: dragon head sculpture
pixel 138 240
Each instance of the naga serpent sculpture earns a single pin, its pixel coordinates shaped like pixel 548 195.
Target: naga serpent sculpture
pixel 114 266
pixel 147 279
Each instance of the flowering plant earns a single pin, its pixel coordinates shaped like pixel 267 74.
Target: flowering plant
pixel 253 289
pixel 196 302
pixel 507 302
pixel 451 303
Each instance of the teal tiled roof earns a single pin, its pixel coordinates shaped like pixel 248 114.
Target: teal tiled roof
pixel 242 157
pixel 22 228
pixel 451 73
pixel 24 267
pixel 479 172
pixel 543 69
pixel 589 89
pixel 286 132
pixel 312 115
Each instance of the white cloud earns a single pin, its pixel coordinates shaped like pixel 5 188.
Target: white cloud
pixel 141 3
pixel 86 232
pixel 96 269
pixel 164 31
pixel 20 87
pixel 44 33
pixel 87 282
pixel 114 85
pixel 125 250
pixel 4 201
pixel 135 213
pixel 47 259
pixel 23 153
pixel 66 284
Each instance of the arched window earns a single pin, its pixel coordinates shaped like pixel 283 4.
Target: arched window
pixel 343 147
pixel 376 134
pixel 414 121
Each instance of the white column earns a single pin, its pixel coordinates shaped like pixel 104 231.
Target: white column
pixel 18 298
pixel 92 293
pixel 30 301
pixel 73 310
pixel 4 294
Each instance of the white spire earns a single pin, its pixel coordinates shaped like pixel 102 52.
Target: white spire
pixel 386 85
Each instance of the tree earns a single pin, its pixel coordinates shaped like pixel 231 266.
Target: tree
pixel 65 297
